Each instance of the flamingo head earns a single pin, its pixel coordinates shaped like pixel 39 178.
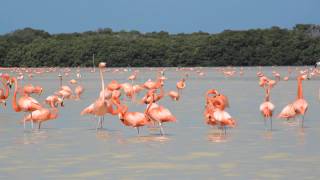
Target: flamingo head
pixel 102 65
pixel 9 84
pixel 263 81
pixel 122 109
pixel 60 101
pixel 38 90
pixel 303 77
pixel 2 101
pixel 212 91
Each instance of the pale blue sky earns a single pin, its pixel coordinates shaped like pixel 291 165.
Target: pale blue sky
pixel 174 16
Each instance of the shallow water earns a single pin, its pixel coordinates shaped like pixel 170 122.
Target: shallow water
pixel 70 147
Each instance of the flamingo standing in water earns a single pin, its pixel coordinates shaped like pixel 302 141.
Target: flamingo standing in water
pixel 158 114
pixel 101 106
pixel 299 106
pixel 53 101
pixel 41 115
pixel 128 90
pixel 181 85
pixel 174 95
pixel 215 113
pixel 65 92
pixel 4 93
pixel 267 108
pixel 149 84
pixel 78 91
pixel 133 119
pixel 30 89
pixel 133 77
pixel 25 103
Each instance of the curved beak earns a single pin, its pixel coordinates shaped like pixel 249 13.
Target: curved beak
pixel 9 84
pixel 41 92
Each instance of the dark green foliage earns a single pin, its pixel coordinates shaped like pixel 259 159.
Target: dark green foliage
pixel 273 46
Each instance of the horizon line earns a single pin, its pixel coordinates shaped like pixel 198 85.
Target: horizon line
pixel 143 32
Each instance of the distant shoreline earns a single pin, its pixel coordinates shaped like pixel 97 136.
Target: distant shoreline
pixel 256 47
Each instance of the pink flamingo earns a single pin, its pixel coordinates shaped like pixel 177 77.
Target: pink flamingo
pixel 299 106
pixel 53 101
pixel 65 92
pixel 181 85
pixel 25 103
pixel 78 91
pixel 30 89
pixel 41 115
pixel 133 77
pixel 174 95
pixel 267 108
pixel 214 110
pixel 101 106
pixel 151 96
pixel 113 85
pixel 4 93
pixel 133 119
pixel 159 114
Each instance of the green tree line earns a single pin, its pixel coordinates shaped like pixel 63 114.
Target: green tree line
pixel 271 46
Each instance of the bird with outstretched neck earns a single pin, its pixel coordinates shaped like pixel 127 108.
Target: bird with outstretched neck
pixel 299 106
pixel 101 106
pixel 25 102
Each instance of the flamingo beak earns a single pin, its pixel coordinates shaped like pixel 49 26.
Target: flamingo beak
pixel 9 84
pixel 62 105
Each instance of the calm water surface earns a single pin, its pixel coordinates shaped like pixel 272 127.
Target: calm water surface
pixel 70 147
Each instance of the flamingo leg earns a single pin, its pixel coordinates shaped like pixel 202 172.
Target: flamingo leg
pixel 302 122
pixel 31 120
pixel 133 98
pixel 97 126
pixel 138 130
pixel 161 129
pixel 225 130
pixel 102 122
pixel 24 124
pixel 221 130
pixel 271 123
pixel 39 126
pixel 265 123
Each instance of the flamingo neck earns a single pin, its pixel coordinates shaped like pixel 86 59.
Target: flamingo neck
pixel 161 92
pixel 300 91
pixel 14 100
pixel 102 81
pixel 148 107
pixel 267 98
pixel 119 108
pixel 6 94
